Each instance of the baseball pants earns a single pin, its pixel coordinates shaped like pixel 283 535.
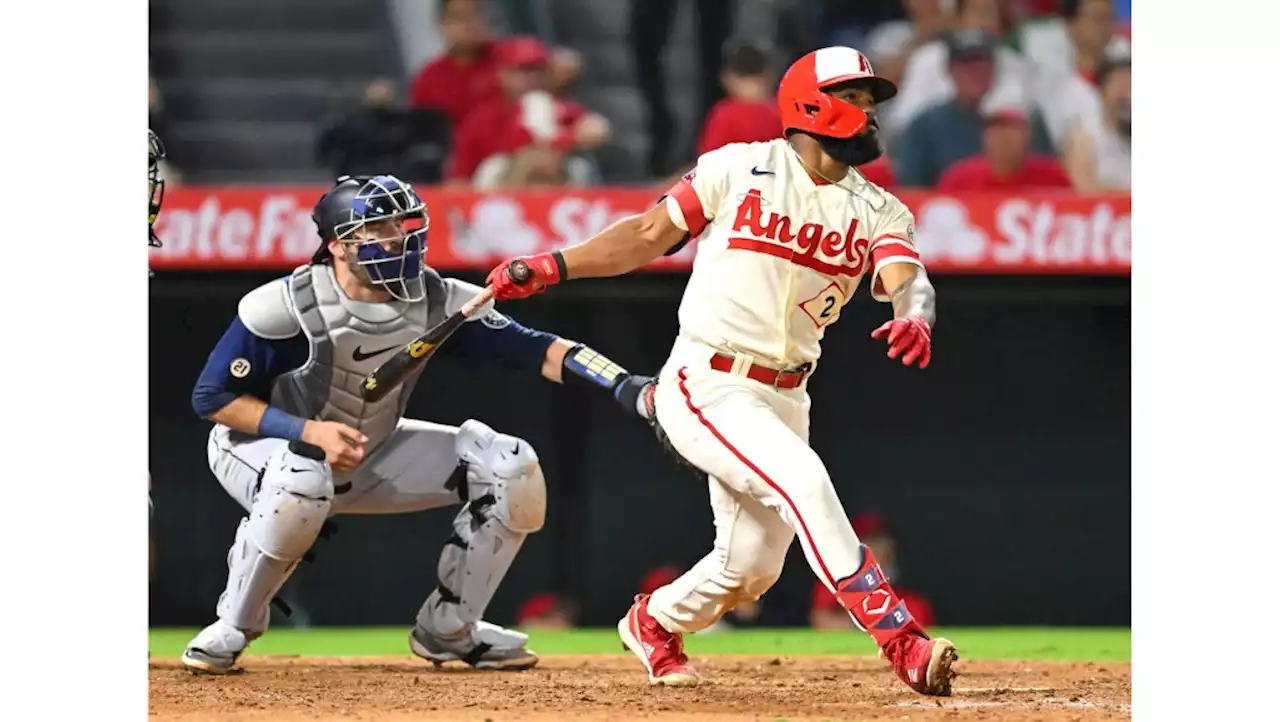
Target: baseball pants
pixel 767 487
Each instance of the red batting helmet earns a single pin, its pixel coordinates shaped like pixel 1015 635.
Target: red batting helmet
pixel 804 105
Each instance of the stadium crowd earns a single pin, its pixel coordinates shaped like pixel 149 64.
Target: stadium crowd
pixel 993 94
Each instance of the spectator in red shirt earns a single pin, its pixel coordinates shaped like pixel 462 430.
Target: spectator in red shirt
pixel 826 612
pixel 466 75
pixel 1006 162
pixel 547 611
pixel 525 115
pixel 749 114
pixel 659 577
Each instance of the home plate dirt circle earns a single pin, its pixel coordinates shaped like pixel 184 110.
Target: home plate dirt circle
pixel 598 687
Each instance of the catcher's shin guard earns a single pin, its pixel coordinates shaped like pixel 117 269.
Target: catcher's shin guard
pixel 875 607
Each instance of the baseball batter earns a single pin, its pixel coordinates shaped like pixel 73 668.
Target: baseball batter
pixel 787 231
pixel 294 443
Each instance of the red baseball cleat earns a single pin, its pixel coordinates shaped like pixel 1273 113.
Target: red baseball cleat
pixel 924 664
pixel 661 651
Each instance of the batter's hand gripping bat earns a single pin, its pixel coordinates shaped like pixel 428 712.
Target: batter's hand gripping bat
pixel 407 360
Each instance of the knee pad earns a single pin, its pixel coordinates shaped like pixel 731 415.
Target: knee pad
pixel 291 506
pixel 504 472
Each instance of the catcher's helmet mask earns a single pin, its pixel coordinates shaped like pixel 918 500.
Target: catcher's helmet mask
pixel 349 212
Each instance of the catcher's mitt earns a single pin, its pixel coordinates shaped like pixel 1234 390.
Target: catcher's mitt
pixel 651 417
pixel 635 393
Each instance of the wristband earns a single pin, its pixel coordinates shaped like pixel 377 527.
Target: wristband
pixel 635 394
pixel 563 270
pixel 585 363
pixel 279 425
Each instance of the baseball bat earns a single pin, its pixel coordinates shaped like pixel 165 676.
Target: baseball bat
pixel 386 377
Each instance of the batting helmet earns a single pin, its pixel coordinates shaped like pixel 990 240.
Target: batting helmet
pixel 804 103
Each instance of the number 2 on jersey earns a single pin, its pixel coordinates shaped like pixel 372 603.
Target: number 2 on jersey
pixel 824 308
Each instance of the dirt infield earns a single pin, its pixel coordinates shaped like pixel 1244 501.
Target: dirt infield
pixel 289 689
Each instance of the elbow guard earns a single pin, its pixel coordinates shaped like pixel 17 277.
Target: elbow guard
pixel 916 297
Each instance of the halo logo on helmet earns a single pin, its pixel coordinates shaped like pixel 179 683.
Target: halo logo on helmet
pixel 155 184
pixel 842 129
pixel 384 224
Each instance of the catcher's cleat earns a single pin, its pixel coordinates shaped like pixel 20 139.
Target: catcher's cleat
pixel 485 646
pixel 215 649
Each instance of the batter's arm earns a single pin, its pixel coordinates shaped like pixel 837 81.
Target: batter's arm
pixel 910 333
pixel 682 214
pixel 898 276
pixel 910 291
pixel 624 246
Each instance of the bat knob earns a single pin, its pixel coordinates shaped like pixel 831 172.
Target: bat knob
pixel 519 272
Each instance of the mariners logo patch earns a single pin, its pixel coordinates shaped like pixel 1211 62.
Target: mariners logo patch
pixel 495 320
pixel 240 368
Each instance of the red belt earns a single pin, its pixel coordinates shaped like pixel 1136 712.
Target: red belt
pixel 763 374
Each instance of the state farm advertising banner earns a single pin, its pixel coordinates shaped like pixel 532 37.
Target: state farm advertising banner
pixel 271 228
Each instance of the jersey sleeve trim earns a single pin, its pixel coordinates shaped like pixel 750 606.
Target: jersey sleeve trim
pixel 891 246
pixel 690 205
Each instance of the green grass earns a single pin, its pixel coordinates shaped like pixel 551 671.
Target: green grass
pixel 1029 643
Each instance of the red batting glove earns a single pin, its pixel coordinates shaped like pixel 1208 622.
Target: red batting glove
pixel 910 335
pixel 547 269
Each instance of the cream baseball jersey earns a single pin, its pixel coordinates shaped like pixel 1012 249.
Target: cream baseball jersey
pixel 779 255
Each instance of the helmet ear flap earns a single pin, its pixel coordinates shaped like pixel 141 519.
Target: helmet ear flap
pixel 825 115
